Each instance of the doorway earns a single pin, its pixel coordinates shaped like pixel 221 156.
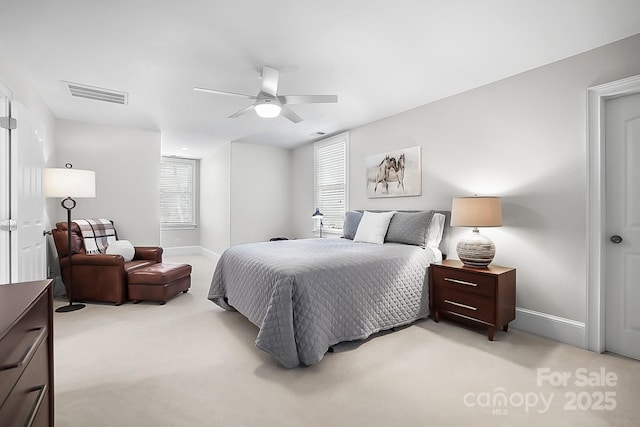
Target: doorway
pixel 5 185
pixel 622 217
pixel 22 201
pixel 605 298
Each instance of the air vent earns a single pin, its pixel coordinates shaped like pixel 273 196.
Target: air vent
pixel 98 93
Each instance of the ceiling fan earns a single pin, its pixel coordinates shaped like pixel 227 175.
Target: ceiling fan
pixel 268 103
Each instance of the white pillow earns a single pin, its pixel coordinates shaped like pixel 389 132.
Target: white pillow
pixel 122 247
pixel 373 227
pixel 434 232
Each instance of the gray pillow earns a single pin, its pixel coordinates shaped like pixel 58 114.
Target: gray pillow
pixel 409 228
pixel 351 222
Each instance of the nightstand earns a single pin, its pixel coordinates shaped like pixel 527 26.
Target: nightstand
pixel 484 296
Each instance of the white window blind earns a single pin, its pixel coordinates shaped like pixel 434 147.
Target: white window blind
pixel 177 192
pixel 331 181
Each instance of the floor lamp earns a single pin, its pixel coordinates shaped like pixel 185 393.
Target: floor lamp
pixel 67 183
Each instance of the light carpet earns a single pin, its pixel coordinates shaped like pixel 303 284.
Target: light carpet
pixel 190 363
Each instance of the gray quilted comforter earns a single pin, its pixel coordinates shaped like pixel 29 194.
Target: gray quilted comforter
pixel 306 295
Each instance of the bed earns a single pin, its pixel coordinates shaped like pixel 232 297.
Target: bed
pixel 307 295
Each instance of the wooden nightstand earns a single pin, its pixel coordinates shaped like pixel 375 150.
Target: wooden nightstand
pixel 485 296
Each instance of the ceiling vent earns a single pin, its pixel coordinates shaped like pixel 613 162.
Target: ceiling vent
pixel 98 93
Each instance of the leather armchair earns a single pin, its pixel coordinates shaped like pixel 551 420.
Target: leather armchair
pixel 99 277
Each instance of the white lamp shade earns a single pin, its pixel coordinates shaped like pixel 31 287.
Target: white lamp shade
pixel 476 212
pixel 267 108
pixel 62 182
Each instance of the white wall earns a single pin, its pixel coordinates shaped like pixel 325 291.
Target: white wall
pixel 215 210
pixel 522 138
pixel 260 199
pixel 126 162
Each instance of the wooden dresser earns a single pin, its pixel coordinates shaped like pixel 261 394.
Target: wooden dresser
pixel 485 296
pixel 26 354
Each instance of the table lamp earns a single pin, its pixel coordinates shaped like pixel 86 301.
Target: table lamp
pixel 476 250
pixel 318 215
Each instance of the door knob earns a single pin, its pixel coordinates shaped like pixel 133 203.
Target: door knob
pixel 616 239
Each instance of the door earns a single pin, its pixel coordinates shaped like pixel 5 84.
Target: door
pixel 5 212
pixel 622 251
pixel 28 249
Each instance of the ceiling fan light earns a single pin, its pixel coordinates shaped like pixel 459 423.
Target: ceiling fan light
pixel 267 108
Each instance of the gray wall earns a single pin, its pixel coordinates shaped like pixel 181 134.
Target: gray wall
pixel 260 192
pixel 245 195
pixel 215 210
pixel 126 162
pixel 522 138
pixel 302 191
pixel 25 93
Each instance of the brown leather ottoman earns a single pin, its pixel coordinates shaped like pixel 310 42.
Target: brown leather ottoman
pixel 159 282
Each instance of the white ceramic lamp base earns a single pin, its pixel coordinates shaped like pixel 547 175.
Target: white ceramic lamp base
pixel 476 250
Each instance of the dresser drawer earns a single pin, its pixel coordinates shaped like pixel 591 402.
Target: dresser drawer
pixel 19 345
pixel 464 281
pixel 469 305
pixel 30 393
pixel 42 416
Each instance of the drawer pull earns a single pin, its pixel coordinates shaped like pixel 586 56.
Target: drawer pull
pixel 461 305
pixel 27 354
pixel 460 282
pixel 42 392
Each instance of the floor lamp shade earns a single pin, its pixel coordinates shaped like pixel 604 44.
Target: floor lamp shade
pixel 68 183
pixel 62 182
pixel 476 250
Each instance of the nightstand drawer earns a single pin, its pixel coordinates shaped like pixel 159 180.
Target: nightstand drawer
pixel 447 299
pixel 464 281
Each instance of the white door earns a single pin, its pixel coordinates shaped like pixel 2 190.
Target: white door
pixel 5 212
pixel 28 244
pixel 622 198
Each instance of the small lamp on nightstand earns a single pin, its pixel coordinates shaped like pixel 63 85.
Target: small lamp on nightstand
pixel 318 215
pixel 476 250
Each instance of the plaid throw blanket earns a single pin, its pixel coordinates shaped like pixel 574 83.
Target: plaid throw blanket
pixel 97 234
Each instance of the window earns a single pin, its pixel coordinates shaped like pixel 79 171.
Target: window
pixel 331 181
pixel 177 192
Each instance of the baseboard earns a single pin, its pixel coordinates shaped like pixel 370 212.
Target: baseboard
pixel 550 326
pixel 209 254
pixel 191 250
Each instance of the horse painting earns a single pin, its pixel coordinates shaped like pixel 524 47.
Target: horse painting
pixel 390 170
pixel 382 175
pixel 395 174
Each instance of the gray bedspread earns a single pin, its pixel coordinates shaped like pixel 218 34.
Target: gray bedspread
pixel 306 295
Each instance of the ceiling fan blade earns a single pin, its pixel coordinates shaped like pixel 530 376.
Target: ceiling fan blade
pixel 269 80
pixel 289 114
pixel 307 99
pixel 241 112
pixel 221 92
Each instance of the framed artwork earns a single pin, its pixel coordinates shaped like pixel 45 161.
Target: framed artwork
pixel 395 173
